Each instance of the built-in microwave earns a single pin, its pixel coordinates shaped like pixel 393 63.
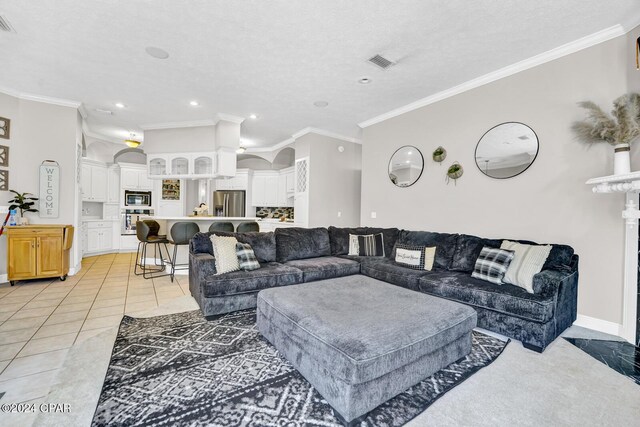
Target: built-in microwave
pixel 137 198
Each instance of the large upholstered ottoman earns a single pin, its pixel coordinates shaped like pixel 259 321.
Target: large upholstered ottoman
pixel 360 341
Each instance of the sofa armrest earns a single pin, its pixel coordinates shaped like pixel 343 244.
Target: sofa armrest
pixel 547 283
pixel 201 266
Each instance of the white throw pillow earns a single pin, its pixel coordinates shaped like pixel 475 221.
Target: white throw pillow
pixel 224 251
pixel 527 262
pixel 354 247
pixel 429 257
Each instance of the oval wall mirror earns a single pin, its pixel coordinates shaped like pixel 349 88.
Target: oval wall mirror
pixel 405 166
pixel 506 150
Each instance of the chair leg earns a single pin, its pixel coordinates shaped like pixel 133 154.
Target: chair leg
pixel 135 269
pixel 173 263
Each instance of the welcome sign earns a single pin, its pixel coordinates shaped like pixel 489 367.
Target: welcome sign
pixel 49 189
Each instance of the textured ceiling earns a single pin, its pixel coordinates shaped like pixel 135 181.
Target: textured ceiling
pixel 275 58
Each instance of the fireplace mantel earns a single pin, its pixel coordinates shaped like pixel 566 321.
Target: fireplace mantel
pixel 630 185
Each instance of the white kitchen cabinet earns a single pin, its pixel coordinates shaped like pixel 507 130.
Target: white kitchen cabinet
pixel 182 165
pixel 238 182
pixel 113 184
pixel 258 186
pixel 271 191
pixel 135 178
pixel 94 182
pixel 98 236
pixel 226 159
pixel 290 181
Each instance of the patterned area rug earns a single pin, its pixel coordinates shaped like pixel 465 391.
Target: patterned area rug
pixel 182 370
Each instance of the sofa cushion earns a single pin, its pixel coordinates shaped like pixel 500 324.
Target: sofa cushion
pixel 301 243
pixel 391 272
pixel 263 244
pixel 467 250
pixel 269 275
pixel 326 267
pixel 558 259
pixel 507 299
pixel 339 237
pixel 445 244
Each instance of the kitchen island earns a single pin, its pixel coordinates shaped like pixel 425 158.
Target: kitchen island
pixel 203 221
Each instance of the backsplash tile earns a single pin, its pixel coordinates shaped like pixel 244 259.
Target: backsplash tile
pixel 264 212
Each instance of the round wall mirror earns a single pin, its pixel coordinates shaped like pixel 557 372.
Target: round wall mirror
pixel 506 150
pixel 405 166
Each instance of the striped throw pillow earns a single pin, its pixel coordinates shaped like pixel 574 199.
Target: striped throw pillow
pixel 246 257
pixel 371 245
pixel 527 262
pixel 492 264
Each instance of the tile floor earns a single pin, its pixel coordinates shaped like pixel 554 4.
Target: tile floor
pixel 40 320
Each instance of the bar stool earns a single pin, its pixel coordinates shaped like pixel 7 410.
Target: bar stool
pixel 147 234
pixel 181 234
pixel 222 226
pixel 248 226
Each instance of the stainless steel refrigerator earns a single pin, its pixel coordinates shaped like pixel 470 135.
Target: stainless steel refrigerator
pixel 229 203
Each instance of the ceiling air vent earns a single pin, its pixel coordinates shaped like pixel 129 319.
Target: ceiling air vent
pixel 381 61
pixel 5 26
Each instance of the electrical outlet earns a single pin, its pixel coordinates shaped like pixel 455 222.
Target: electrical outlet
pixel 339 214
pixel 374 214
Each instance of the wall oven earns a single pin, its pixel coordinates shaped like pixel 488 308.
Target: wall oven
pixel 129 218
pixel 137 198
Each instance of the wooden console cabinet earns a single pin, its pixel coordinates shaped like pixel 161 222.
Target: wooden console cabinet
pixel 38 251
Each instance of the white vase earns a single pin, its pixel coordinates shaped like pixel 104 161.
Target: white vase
pixel 621 159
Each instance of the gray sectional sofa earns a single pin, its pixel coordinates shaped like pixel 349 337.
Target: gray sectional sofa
pixel 299 255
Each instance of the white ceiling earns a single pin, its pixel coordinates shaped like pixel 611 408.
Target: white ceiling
pixel 275 58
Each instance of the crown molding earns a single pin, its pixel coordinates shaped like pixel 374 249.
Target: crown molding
pixel 229 118
pixel 299 134
pixel 91 134
pixel 326 133
pixel 276 147
pixel 550 55
pixel 40 98
pixel 175 125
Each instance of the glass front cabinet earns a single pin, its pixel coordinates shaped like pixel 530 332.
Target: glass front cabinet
pixel 181 165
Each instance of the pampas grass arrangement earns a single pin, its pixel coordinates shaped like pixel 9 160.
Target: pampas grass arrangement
pixel 621 127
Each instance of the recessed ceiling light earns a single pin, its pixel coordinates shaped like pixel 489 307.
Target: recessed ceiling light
pixel 408 161
pixel 321 104
pixel 156 52
pixel 364 80
pixel 119 105
pixel 253 116
pixel 194 103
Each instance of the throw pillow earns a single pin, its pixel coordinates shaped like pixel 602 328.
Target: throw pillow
pixel 354 249
pixel 246 257
pixel 527 262
pixel 410 256
pixel 224 251
pixel 366 245
pixel 371 245
pixel 429 257
pixel 492 264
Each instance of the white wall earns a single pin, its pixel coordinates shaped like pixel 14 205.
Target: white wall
pixel 334 180
pixel 180 140
pixel 549 202
pixel 41 132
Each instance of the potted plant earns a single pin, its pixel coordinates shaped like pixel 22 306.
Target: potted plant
pixel 618 129
pixel 24 202
pixel 439 154
pixel 454 172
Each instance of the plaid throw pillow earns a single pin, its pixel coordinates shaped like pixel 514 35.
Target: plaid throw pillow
pixel 371 245
pixel 410 256
pixel 246 258
pixel 492 264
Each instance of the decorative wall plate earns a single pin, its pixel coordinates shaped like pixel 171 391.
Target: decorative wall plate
pixel 4 180
pixel 4 156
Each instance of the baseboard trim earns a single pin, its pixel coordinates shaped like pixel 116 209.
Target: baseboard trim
pixel 4 278
pixel 599 325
